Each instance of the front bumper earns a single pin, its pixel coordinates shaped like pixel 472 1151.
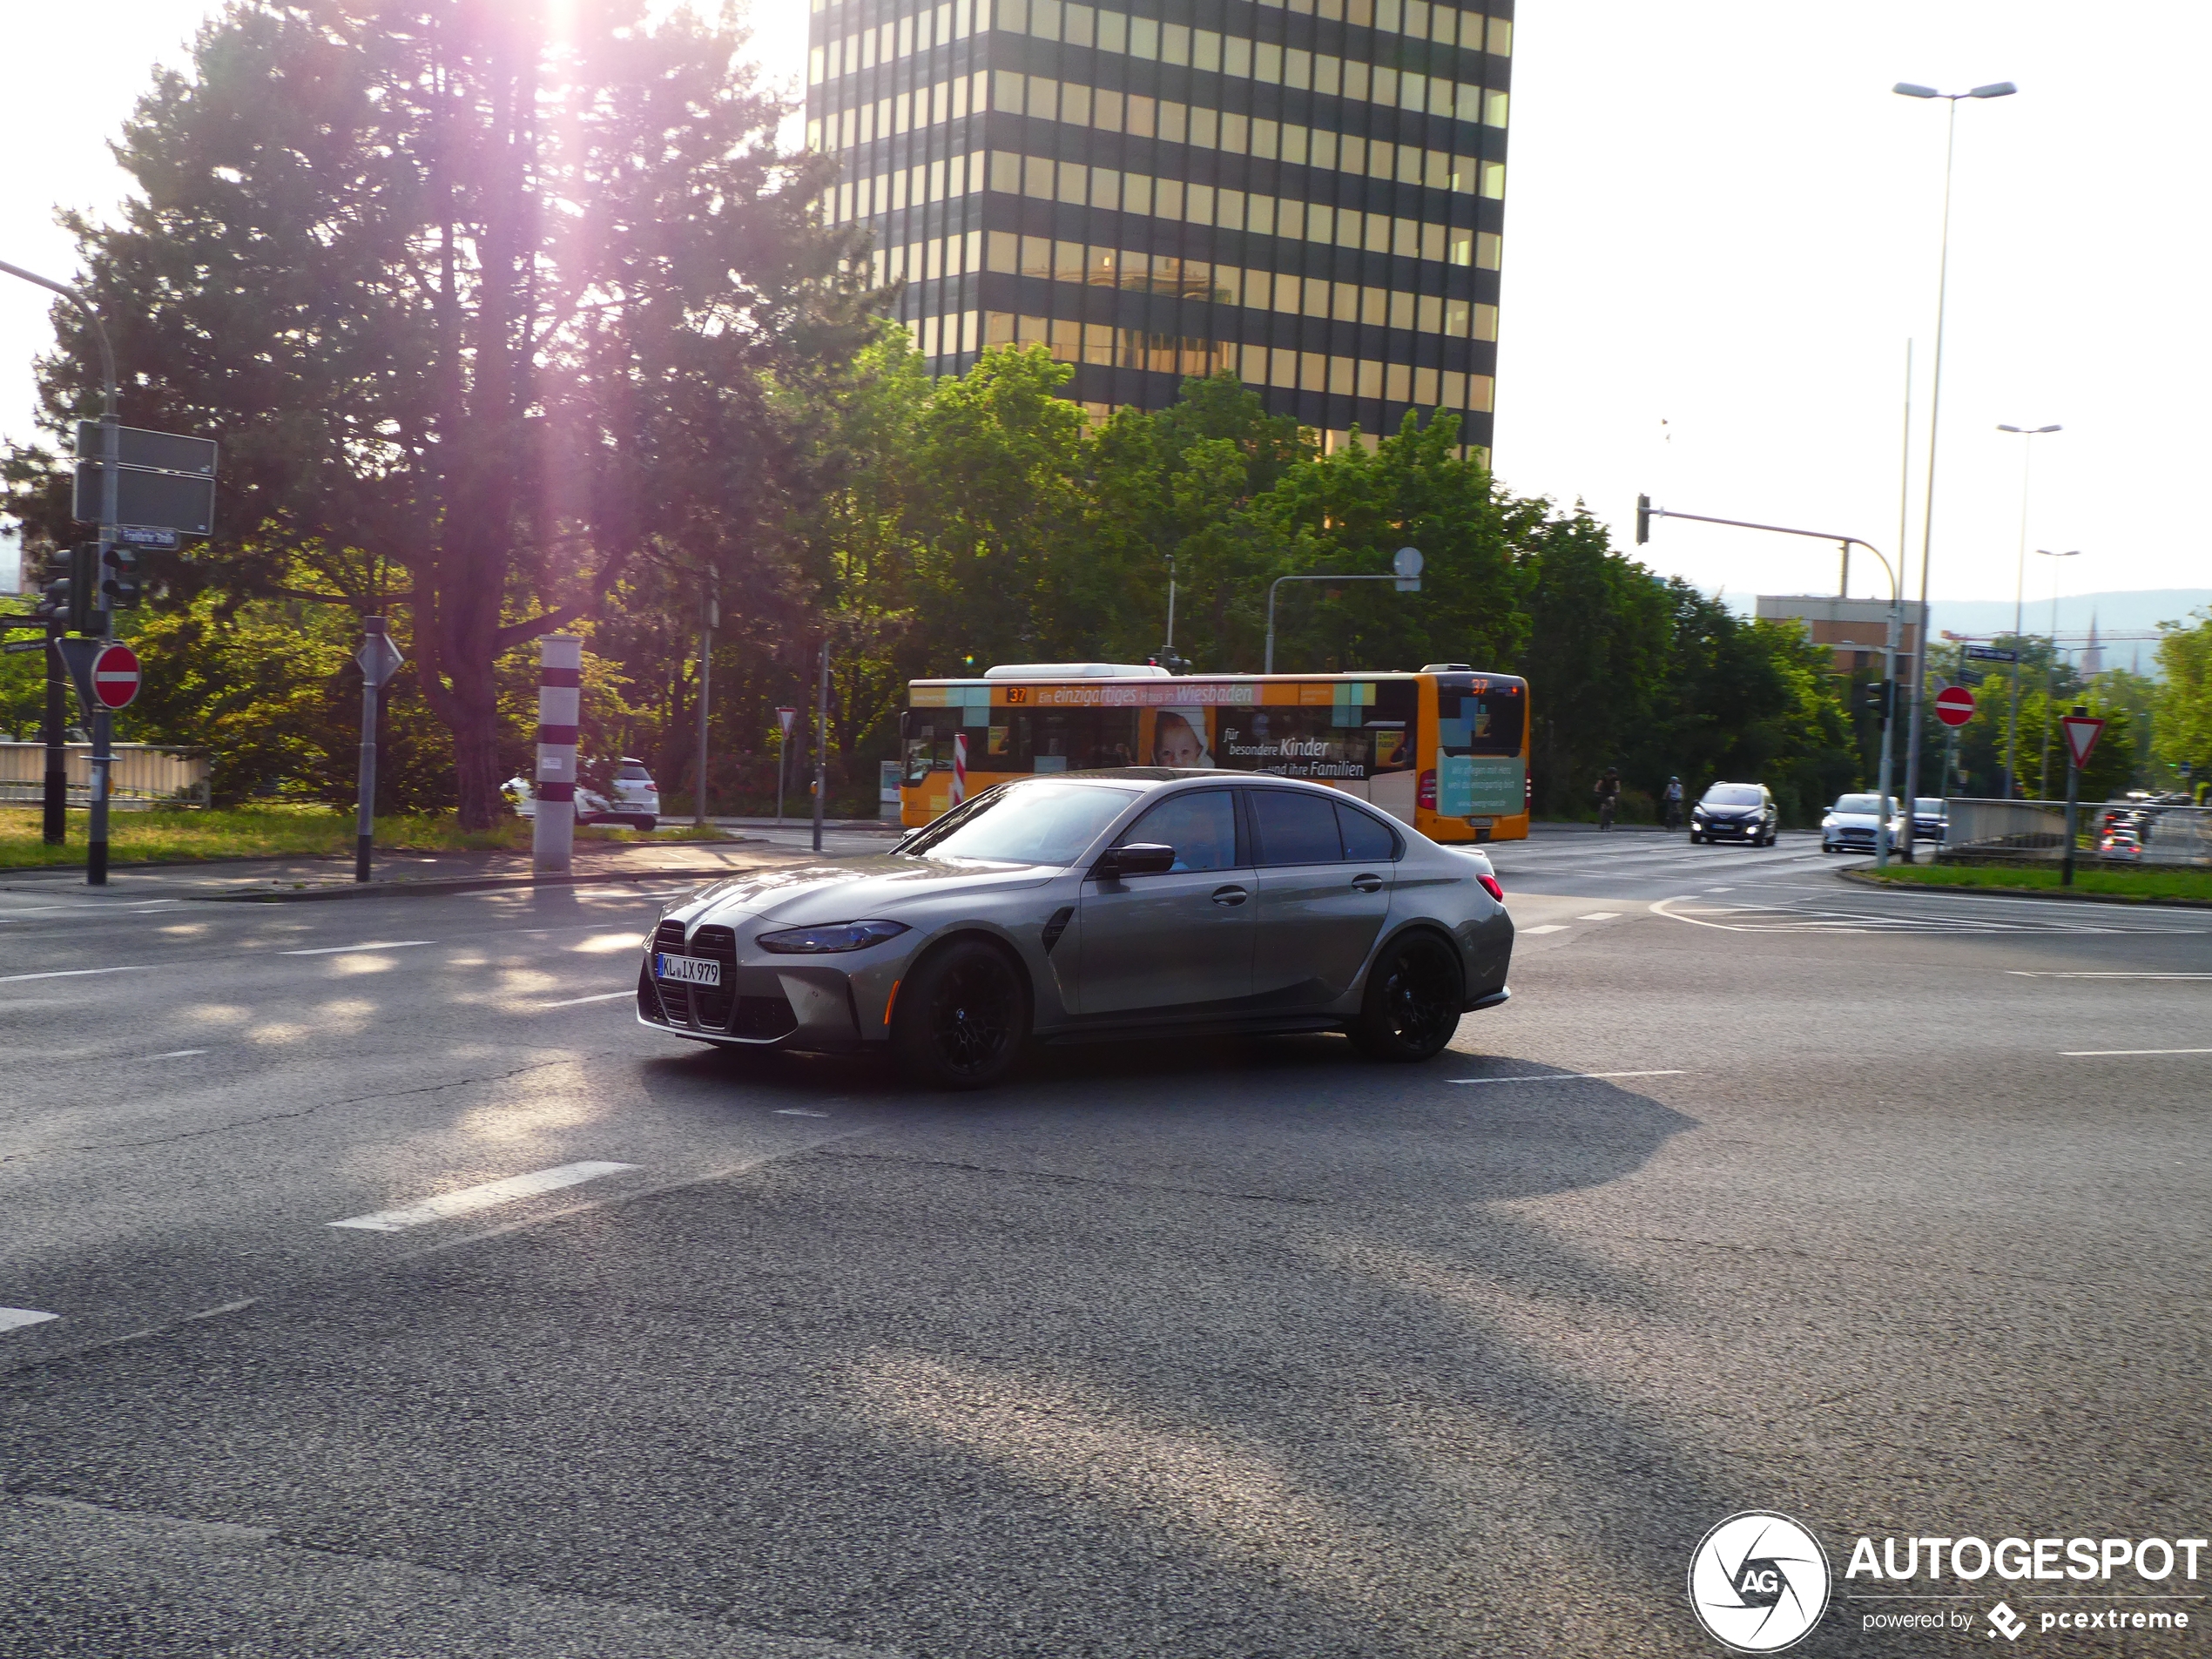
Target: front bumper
pixel 805 1005
pixel 1733 831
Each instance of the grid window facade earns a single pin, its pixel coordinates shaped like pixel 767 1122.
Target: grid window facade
pixel 1308 193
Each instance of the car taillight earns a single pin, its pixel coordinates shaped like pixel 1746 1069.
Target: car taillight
pixel 1490 885
pixel 1428 791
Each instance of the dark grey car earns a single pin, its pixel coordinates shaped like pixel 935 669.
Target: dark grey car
pixel 1091 906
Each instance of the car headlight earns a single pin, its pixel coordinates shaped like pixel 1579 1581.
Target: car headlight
pixel 833 936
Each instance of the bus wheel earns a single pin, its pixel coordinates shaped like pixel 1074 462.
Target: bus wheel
pixel 1415 995
pixel 962 1017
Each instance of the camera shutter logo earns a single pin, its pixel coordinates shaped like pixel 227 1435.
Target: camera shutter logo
pixel 1759 1583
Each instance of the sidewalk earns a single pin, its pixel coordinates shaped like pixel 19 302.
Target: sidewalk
pixel 279 880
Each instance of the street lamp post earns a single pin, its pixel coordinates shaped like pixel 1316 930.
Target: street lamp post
pixel 2044 789
pixel 111 481
pixel 1907 89
pixel 2019 603
pixel 1406 571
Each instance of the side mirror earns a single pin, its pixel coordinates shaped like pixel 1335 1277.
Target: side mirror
pixel 1138 858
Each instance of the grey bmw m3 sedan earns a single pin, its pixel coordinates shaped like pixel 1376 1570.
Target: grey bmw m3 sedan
pixel 1089 906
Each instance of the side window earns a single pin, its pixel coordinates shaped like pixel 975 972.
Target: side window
pixel 1366 840
pixel 1201 826
pixel 1295 828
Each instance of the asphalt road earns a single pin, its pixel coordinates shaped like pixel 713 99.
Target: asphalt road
pixel 1886 1212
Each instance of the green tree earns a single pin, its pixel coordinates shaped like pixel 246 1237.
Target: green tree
pixel 490 304
pixel 2183 712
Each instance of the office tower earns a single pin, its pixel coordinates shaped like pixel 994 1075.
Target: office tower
pixel 1310 194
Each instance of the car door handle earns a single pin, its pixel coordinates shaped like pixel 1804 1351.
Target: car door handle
pixel 1368 883
pixel 1230 895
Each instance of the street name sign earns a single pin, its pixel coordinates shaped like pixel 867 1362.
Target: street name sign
pixel 2082 731
pixel 1954 706
pixel 1990 654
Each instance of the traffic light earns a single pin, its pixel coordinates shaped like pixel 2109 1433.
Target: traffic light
pixel 1643 520
pixel 1881 697
pixel 83 586
pixel 123 582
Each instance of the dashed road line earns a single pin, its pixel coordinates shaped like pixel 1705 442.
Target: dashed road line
pixel 2100 1054
pixel 480 1198
pixel 597 996
pixel 348 950
pixel 1599 915
pixel 16 1318
pixel 76 972
pixel 1548 927
pixel 2029 973
pixel 1564 1077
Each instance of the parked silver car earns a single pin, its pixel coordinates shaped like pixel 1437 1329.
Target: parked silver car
pixel 1091 906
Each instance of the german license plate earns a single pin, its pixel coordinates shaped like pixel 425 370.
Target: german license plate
pixel 686 970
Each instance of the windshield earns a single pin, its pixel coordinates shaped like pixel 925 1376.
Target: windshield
pixel 1928 804
pixel 1732 795
pixel 1024 823
pixel 1859 804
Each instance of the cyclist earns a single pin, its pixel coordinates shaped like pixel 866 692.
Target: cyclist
pixel 1674 803
pixel 1608 796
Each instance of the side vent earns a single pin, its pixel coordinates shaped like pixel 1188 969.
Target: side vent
pixel 1057 925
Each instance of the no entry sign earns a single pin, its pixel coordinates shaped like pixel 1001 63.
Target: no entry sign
pixel 1954 706
pixel 115 676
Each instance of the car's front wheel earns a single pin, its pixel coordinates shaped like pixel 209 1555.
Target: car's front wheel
pixel 1414 996
pixel 961 1017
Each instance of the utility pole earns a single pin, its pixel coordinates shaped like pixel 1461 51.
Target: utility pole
pixel 706 680
pixel 56 736
pixel 379 659
pixel 821 745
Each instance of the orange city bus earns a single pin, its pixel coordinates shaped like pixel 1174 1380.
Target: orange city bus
pixel 1445 750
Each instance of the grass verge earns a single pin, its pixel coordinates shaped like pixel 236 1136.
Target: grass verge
pixel 277 833
pixel 2146 886
pixel 244 833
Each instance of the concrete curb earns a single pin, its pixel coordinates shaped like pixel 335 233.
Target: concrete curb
pixel 2062 894
pixel 439 885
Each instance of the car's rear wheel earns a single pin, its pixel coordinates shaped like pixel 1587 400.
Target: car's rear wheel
pixel 646 824
pixel 960 1018
pixel 1414 996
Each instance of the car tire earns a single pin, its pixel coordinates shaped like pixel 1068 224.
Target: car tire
pixel 1695 838
pixel 648 824
pixel 1415 993
pixel 962 1018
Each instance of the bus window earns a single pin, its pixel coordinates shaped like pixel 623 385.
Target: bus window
pixel 1071 739
pixel 928 743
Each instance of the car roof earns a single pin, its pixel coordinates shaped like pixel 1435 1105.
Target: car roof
pixel 1163 775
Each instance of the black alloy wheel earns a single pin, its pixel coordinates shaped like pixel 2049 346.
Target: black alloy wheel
pixel 961 1017
pixel 1414 996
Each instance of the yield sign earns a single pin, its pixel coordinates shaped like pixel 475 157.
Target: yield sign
pixel 784 718
pixel 2082 731
pixel 1954 706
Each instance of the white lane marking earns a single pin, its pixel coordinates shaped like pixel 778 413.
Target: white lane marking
pixel 2098 1054
pixel 2029 973
pixel 177 1053
pixel 1720 889
pixel 1564 1077
pixel 798 1111
pixel 76 972
pixel 345 950
pixel 16 1318
pixel 1548 927
pixel 481 1197
pixel 602 996
pixel 1599 915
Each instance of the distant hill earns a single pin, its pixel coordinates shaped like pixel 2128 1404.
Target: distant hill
pixel 2117 616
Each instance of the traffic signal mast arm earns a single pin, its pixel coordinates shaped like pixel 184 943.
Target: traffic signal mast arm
pixel 1881 700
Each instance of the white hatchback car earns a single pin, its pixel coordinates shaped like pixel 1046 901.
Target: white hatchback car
pixel 636 797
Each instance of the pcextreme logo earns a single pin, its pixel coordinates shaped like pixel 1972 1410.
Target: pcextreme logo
pixel 1759 1583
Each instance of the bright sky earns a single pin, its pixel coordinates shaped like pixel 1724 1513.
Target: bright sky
pixel 1721 229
